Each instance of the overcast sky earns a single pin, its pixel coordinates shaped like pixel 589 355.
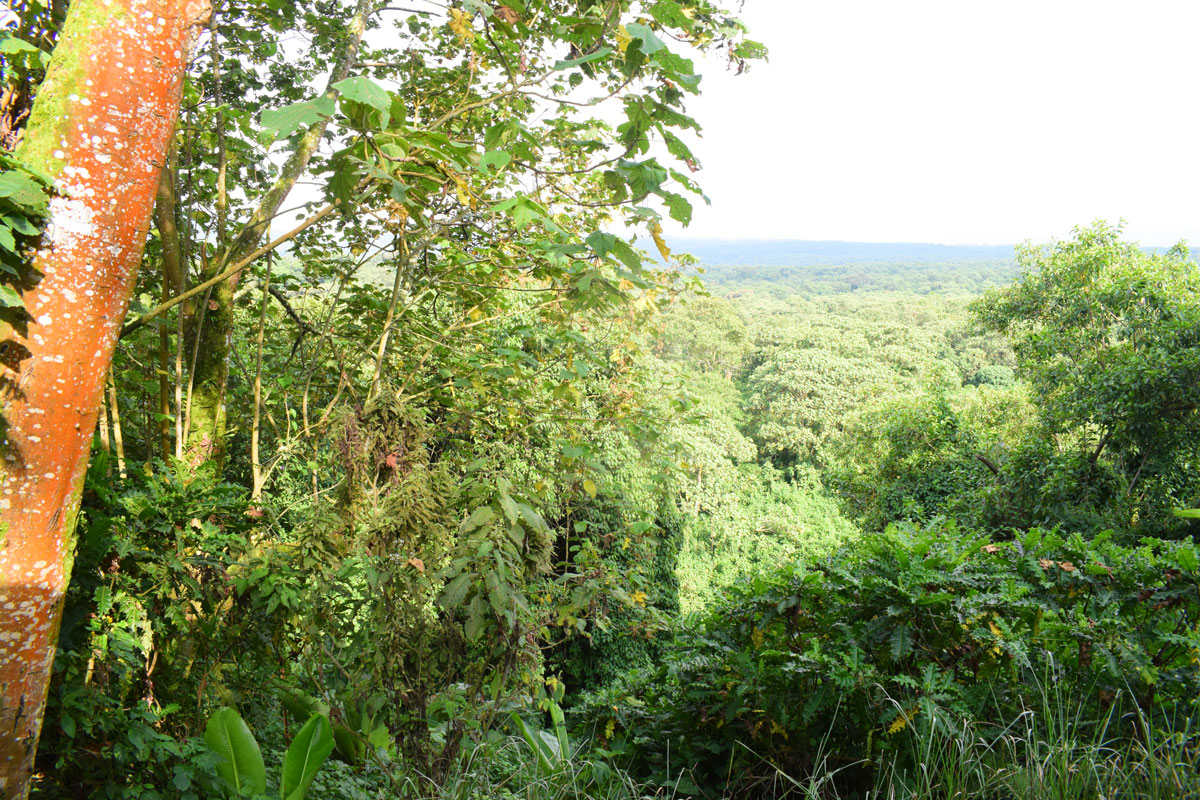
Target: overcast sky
pixel 956 122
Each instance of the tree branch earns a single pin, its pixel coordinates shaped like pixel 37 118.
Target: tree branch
pixel 228 273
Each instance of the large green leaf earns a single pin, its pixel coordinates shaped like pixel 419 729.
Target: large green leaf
pixel 279 123
pixel 648 41
pixel 368 92
pixel 241 766
pixel 308 751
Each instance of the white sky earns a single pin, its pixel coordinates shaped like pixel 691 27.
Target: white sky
pixel 955 121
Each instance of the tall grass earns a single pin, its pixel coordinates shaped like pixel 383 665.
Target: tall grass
pixel 1050 751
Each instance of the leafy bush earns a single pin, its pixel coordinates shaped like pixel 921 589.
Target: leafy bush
pixel 914 622
pixel 149 626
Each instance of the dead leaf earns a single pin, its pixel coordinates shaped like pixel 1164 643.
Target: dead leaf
pixel 417 564
pixel 506 14
pixel 656 232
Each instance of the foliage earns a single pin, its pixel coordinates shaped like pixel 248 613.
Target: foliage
pixel 241 765
pixel 919 456
pixel 24 204
pixel 912 623
pixel 152 624
pixel 1107 335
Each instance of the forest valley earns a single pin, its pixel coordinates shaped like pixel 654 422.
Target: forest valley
pixel 349 453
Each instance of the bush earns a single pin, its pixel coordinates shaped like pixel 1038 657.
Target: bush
pixel 914 622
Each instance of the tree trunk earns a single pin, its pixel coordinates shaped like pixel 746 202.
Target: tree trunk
pixel 100 126
pixel 206 439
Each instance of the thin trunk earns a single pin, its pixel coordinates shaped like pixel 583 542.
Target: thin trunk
pixel 214 328
pixel 164 389
pixel 185 254
pixel 256 465
pixel 103 428
pixel 401 268
pixel 172 268
pixel 222 158
pixel 206 437
pixel 187 418
pixel 118 438
pixel 1100 446
pixel 179 409
pixel 101 127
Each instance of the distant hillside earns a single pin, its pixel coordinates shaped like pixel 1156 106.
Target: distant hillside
pixel 798 253
pixel 782 267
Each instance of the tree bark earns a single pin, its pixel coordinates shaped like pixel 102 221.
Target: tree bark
pixel 101 127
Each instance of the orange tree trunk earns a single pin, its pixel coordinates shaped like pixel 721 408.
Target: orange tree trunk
pixel 100 126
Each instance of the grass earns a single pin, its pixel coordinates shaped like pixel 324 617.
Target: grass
pixel 1051 751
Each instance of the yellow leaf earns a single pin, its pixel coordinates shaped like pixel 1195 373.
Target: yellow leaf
pixel 589 486
pixel 656 232
pixel 992 627
pixel 639 597
pixel 464 193
pixel 623 39
pixel 460 23
pixel 901 722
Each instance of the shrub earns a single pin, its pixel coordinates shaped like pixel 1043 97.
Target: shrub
pixel 840 657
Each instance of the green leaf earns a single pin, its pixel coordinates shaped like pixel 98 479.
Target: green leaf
pixel 590 57
pixel 901 643
pixel 241 766
pixel 7 241
pixel 494 158
pixel 19 225
pixel 368 92
pixel 1186 557
pixel 680 208
pixel 301 705
pixel 456 591
pixel 510 509
pixel 1187 513
pixel 627 255
pixel 23 191
pixel 279 123
pixel 9 298
pixel 647 41
pixel 308 751
pixel 12 45
pixel 484 515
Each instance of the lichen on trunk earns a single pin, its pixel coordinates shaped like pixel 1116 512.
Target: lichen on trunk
pixel 100 128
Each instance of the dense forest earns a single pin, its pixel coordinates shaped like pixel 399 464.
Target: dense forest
pixel 350 453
